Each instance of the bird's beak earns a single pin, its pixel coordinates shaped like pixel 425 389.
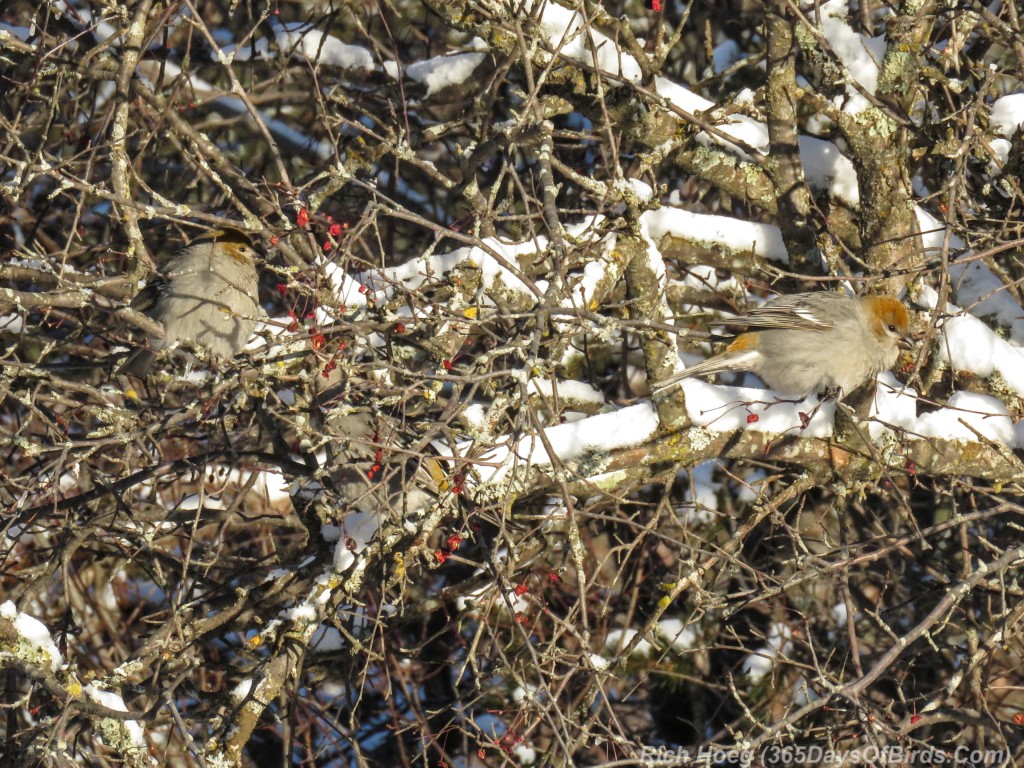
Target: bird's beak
pixel 905 344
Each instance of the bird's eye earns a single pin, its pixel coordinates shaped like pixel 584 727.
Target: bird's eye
pixel 891 327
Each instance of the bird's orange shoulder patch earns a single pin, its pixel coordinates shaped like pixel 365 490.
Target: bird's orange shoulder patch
pixel 743 342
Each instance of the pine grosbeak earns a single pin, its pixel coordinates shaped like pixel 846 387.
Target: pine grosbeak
pixel 812 342
pixel 206 294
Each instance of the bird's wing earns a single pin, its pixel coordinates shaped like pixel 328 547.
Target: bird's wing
pixel 146 298
pixel 805 312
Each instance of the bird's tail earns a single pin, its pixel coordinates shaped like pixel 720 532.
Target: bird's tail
pixel 738 357
pixel 708 367
pixel 138 363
